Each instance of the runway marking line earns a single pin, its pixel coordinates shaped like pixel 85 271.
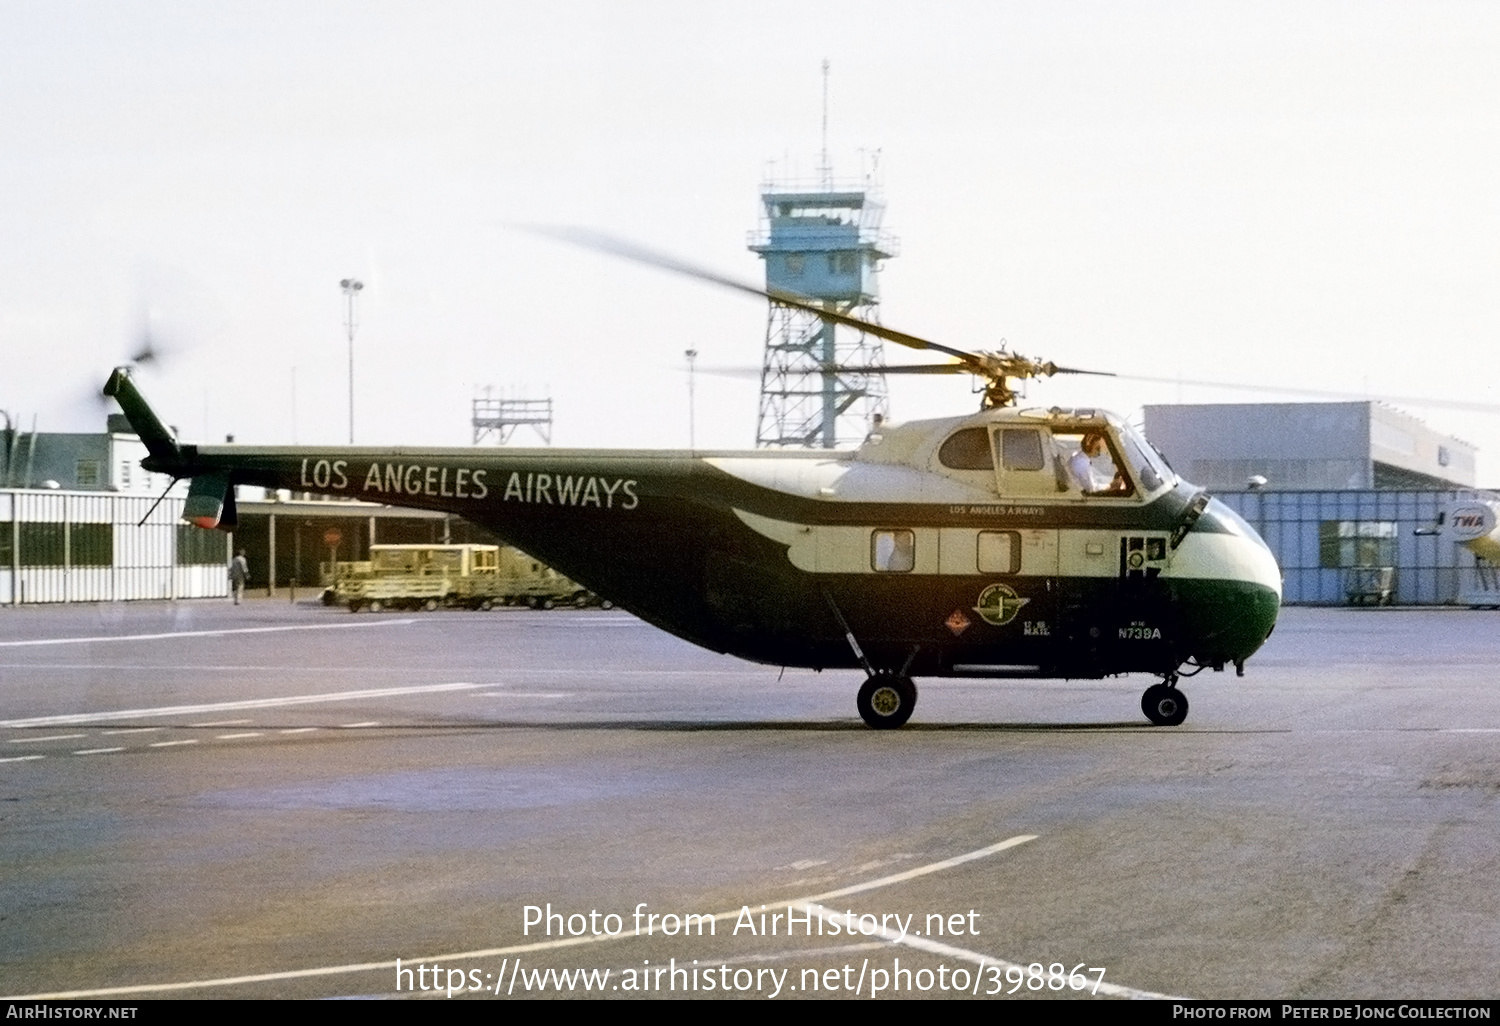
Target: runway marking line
pixel 130 730
pixel 297 730
pixel 97 751
pixel 49 737
pixel 249 703
pixel 173 744
pixel 199 634
pixel 248 733
pixel 920 943
pixel 22 758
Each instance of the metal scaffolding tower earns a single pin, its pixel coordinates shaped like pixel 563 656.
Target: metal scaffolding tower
pixel 498 419
pixel 820 387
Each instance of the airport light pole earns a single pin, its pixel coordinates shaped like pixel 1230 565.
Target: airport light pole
pixel 692 355
pixel 351 287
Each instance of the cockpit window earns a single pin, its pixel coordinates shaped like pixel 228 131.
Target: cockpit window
pixel 1091 463
pixel 1021 449
pixel 968 449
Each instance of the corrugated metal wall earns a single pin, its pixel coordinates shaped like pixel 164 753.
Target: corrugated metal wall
pixel 60 546
pixel 1429 568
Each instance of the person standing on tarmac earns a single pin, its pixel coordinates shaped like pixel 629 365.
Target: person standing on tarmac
pixel 239 575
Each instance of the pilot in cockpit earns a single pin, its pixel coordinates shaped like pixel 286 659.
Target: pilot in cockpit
pixel 1093 469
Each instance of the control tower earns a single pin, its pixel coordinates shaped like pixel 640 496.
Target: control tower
pixel 820 388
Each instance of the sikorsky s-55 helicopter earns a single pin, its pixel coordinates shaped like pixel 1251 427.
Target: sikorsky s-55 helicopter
pixel 1009 543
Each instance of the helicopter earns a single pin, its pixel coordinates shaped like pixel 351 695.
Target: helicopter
pixel 1007 543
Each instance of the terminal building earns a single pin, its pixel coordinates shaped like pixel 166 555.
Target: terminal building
pixel 1308 447
pixel 1346 494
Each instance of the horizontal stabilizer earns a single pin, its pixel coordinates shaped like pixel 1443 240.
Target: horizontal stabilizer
pixel 210 502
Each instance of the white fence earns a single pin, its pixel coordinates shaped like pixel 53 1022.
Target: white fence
pixel 58 546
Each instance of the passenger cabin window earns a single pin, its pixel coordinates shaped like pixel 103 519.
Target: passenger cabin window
pixel 893 551
pixel 999 552
pixel 968 449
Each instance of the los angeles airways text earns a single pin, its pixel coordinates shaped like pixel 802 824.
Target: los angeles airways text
pixel 535 487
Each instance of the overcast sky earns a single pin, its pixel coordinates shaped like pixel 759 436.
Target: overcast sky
pixel 1298 194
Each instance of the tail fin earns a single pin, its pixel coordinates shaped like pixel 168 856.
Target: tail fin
pixel 159 441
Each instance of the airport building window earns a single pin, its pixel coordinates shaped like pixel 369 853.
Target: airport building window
pixel 49 543
pixel 999 552
pixel 93 544
pixel 198 547
pixel 893 551
pixel 86 473
pixel 1346 543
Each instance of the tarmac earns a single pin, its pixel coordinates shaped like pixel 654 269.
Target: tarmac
pixel 279 800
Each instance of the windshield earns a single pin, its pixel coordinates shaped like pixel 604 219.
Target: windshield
pixel 1150 469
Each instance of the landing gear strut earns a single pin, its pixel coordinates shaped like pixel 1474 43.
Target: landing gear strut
pixel 886 700
pixel 1163 704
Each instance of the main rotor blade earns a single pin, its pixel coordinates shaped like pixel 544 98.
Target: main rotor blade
pixel 630 251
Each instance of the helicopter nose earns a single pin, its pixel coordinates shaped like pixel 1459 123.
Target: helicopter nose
pixel 1246 557
pixel 1233 581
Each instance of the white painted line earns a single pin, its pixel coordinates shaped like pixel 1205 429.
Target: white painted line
pixel 1472 730
pixel 130 730
pixel 250 733
pixel 22 758
pixel 367 723
pixel 49 737
pixel 170 744
pixel 516 949
pixel 221 723
pixel 249 703
pixel 97 751
pixel 525 694
pixel 203 634
pixel 298 730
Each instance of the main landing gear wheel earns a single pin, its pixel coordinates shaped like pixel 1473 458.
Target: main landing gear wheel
pixel 1164 705
pixel 375 606
pixel 885 700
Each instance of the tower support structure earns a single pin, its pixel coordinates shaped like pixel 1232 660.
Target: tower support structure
pixel 821 386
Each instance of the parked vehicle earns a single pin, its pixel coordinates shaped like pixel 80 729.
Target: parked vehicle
pixel 450 576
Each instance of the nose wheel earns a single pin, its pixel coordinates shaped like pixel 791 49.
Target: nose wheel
pixel 886 700
pixel 1164 705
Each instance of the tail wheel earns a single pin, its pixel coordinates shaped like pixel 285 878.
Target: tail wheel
pixel 886 700
pixel 375 606
pixel 430 605
pixel 1164 705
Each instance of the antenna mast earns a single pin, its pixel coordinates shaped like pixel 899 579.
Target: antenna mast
pixel 825 168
